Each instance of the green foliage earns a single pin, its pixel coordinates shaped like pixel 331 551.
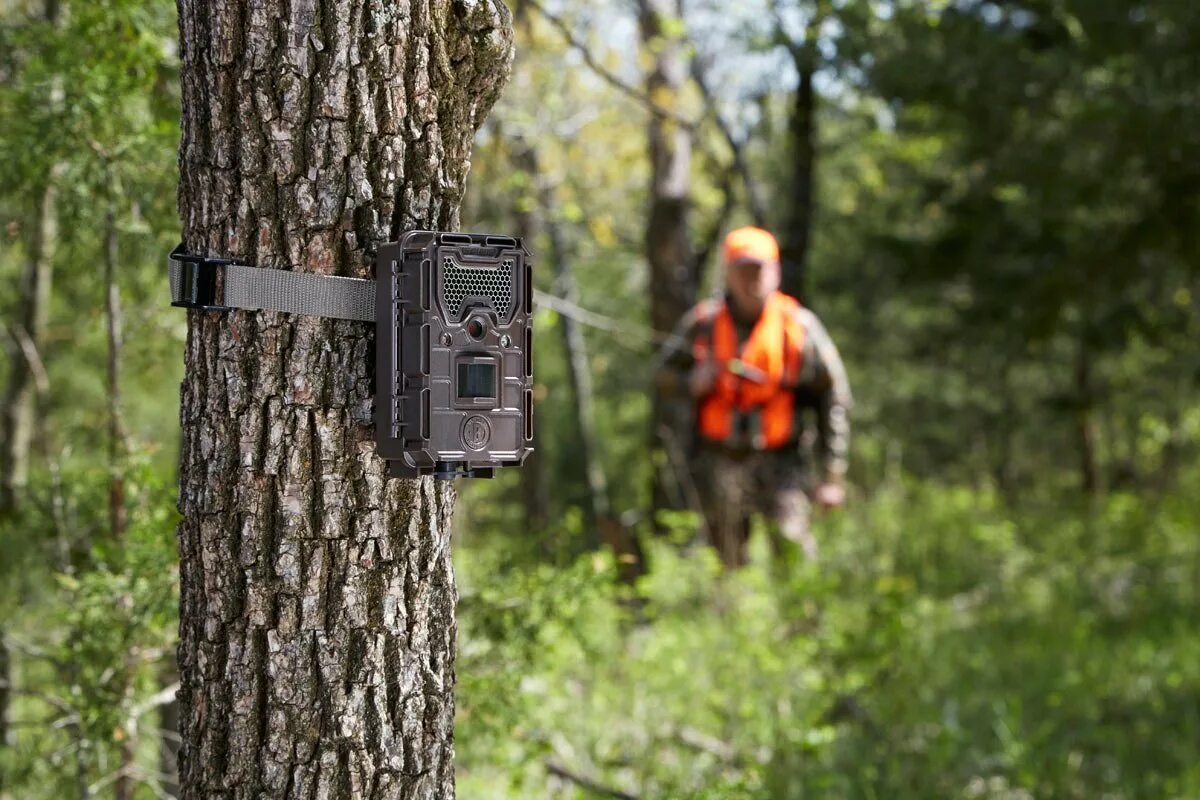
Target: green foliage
pixel 105 625
pixel 1014 195
pixel 90 109
pixel 944 647
pixel 88 129
pixel 91 80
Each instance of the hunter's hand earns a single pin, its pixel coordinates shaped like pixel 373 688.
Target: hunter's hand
pixel 703 378
pixel 829 496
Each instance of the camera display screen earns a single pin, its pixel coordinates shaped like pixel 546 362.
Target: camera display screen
pixel 477 380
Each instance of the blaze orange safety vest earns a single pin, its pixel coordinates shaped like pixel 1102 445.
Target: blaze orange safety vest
pixel 744 412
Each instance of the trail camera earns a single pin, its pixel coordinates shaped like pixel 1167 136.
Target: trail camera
pixel 453 343
pixel 454 354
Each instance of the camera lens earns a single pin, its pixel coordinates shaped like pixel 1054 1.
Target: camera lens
pixel 475 329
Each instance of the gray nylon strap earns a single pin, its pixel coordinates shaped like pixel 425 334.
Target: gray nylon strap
pixel 254 288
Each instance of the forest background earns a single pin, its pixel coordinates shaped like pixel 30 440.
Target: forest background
pixel 992 206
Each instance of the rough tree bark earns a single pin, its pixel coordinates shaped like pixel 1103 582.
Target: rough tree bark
pixel 668 247
pixel 317 597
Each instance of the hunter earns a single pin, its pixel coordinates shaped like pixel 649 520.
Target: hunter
pixel 752 361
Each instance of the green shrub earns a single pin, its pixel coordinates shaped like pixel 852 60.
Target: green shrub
pixel 943 647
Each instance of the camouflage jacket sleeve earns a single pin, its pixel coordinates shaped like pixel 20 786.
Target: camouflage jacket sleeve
pixel 823 386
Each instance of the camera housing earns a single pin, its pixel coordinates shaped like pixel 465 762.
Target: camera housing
pixel 454 354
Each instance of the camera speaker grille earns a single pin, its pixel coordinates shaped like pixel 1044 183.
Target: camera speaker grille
pixel 461 281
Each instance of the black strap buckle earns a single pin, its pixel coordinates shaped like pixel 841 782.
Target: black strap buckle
pixel 201 281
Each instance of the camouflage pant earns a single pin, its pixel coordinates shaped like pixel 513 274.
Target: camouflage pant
pixel 735 486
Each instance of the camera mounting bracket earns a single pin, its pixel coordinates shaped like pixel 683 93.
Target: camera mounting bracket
pixel 453 317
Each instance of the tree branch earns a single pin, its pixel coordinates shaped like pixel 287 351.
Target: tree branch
pixel 607 75
pixel 154 701
pixel 587 784
pixel 33 359
pixel 736 147
pixel 699 740
pixel 708 241
pixel 592 319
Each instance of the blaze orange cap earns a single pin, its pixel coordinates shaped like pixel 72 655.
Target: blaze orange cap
pixel 750 244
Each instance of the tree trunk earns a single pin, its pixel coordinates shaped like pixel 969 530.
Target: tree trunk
pixel 168 731
pixel 579 372
pixel 17 414
pixel 796 233
pixel 794 239
pixel 317 624
pixel 535 491
pixel 1085 422
pixel 18 411
pixel 5 694
pixel 668 247
pixel 123 786
pixel 116 429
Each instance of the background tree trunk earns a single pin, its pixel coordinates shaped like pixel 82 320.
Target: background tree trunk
pixel 168 731
pixel 117 445
pixel 1085 421
pixel 535 489
pixel 796 231
pixel 124 786
pixel 18 409
pixel 579 372
pixel 317 612
pixel 5 694
pixel 797 228
pixel 668 247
